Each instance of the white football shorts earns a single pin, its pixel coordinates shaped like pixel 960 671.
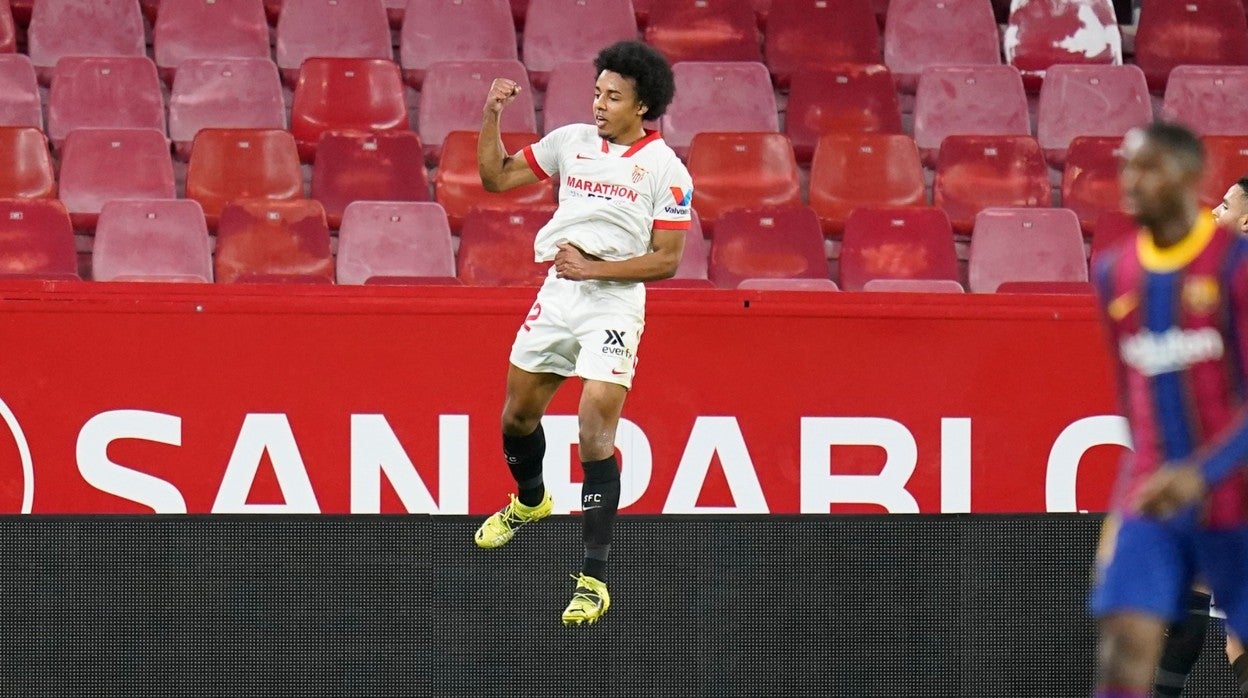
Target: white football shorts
pixel 589 329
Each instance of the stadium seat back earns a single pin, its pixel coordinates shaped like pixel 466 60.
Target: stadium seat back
pixel 60 28
pixel 1090 100
pixel 569 95
pixel 719 96
pixel 852 98
pixel 869 169
pixel 104 92
pixel 1090 179
pixel 99 165
pixel 330 29
pixel 435 30
pixel 742 169
pixel 897 243
pixel 224 93
pixel 36 240
pixel 768 242
pixel 923 33
pixel 1025 245
pixel 561 31
pixel 151 240
pixel 968 100
pixel 20 103
pixel 457 182
pixel 454 92
pixel 1045 33
pixel 368 167
pixel 346 94
pixel 229 164
pixel 261 240
pixel 201 29
pixel 496 247
pixel 818 32
pixel 704 30
pixel 1211 100
pixel 978 172
pixel 1173 33
pixel 394 241
pixel 26 169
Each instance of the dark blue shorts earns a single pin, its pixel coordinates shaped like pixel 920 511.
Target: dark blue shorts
pixel 1148 566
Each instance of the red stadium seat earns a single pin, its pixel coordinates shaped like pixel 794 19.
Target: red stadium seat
pixel 99 165
pixel 869 169
pixel 8 29
pixel 914 286
pixel 368 167
pixel 923 33
pixel 330 29
pixel 897 243
pixel 1211 100
pixel 818 32
pixel 742 169
pixel 569 96
pixel 151 240
pixel 208 29
pixel 273 241
pixel 496 247
pixel 19 92
pixel 36 240
pixel 26 170
pixel 968 100
pixel 108 92
pixel 224 93
pixel 978 172
pixel 454 93
pixel 60 28
pixel 770 242
pixel 704 30
pixel 560 31
pixel 457 182
pixel 394 242
pixel 346 94
pixel 438 30
pixel 1226 160
pixel 1090 100
pixel 1011 244
pixel 1112 227
pixel 229 164
pixel 691 273
pixel 1189 32
pixel 1090 180
pixel 1043 33
pixel 766 284
pixel 840 98
pixel 719 97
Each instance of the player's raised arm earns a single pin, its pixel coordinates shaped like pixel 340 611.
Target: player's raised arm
pixel 499 170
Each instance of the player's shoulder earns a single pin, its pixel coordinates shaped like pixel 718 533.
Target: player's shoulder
pixel 662 156
pixel 574 133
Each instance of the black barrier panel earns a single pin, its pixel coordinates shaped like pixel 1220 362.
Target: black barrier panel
pixel 864 606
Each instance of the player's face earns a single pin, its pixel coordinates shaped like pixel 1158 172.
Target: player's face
pixel 1232 213
pixel 617 112
pixel 1155 184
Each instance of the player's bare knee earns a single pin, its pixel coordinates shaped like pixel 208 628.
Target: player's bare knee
pixel 1126 658
pixel 596 442
pixel 520 422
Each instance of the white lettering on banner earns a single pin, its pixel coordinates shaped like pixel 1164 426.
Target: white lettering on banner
pixel 103 474
pixel 260 433
pixel 375 449
pixel 636 461
pixel 1062 473
pixel 955 465
pixel 820 488
pixel 710 436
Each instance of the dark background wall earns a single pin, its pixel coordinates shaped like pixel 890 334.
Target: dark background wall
pixel 923 606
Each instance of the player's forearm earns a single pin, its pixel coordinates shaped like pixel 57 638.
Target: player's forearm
pixel 491 155
pixel 1227 453
pixel 652 266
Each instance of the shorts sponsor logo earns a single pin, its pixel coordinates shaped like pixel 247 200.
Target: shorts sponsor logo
pixel 614 344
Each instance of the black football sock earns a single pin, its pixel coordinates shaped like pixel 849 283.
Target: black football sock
pixel 1183 644
pixel 524 458
pixel 600 497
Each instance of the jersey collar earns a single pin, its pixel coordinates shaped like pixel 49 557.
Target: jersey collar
pixel 1175 257
pixel 650 137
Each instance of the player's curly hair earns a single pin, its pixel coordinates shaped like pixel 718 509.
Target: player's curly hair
pixel 647 67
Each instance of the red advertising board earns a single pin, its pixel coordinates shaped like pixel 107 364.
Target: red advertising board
pixel 131 398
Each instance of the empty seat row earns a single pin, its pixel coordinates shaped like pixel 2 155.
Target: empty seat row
pixel 389 242
pixel 849 171
pixel 917 33
pixel 368 95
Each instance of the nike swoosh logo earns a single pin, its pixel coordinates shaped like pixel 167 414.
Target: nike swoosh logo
pixel 584 157
pixel 598 506
pixel 617 373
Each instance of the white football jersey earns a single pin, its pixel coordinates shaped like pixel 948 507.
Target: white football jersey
pixel 610 196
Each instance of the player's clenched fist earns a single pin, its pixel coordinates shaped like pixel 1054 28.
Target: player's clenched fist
pixel 501 94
